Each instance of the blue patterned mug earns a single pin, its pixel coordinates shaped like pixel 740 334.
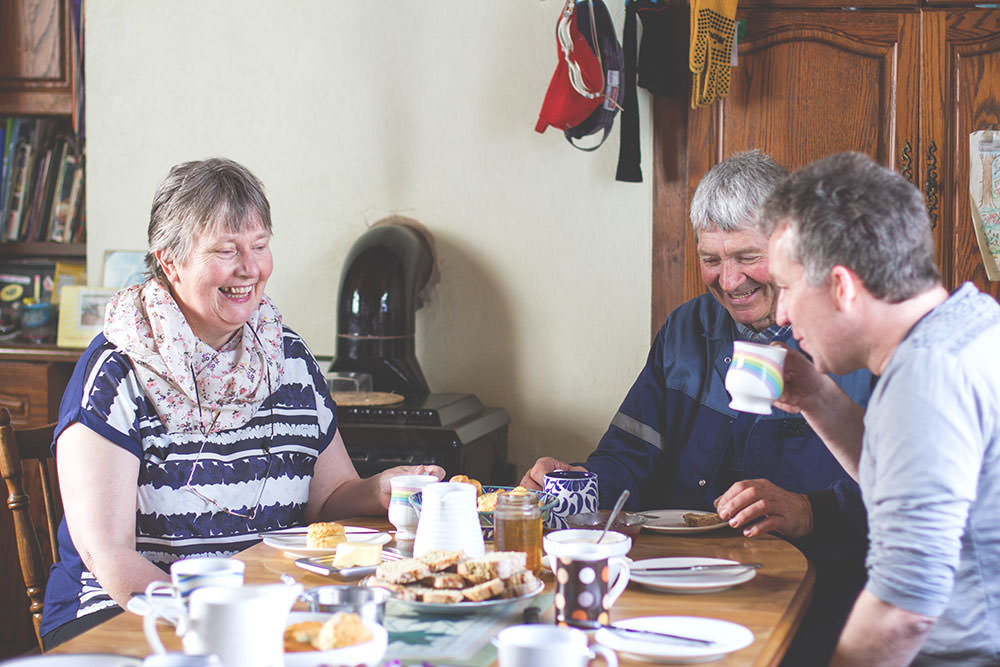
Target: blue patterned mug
pixel 575 492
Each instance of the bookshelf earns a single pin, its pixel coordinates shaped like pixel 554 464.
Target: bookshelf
pixel 41 76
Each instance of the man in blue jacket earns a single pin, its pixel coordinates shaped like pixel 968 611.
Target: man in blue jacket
pixel 676 443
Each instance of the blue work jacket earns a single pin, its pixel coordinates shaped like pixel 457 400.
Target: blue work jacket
pixel 673 439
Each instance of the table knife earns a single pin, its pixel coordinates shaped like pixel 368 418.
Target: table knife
pixel 698 568
pixel 661 635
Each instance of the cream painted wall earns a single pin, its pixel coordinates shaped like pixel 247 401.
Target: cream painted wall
pixel 351 111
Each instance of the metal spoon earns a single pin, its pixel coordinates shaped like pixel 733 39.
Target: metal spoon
pixel 614 513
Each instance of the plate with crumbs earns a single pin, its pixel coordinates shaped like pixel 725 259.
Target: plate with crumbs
pixel 672 521
pixel 293 540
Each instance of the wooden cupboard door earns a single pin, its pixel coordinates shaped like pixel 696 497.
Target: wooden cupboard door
pixel 808 84
pixel 961 96
pixel 37 69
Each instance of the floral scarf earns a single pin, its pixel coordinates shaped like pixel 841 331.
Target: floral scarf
pixel 179 371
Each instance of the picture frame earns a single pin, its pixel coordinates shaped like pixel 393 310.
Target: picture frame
pixel 68 273
pixel 124 268
pixel 81 314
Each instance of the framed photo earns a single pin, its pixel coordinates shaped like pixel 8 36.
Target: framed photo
pixel 124 268
pixel 81 314
pixel 68 273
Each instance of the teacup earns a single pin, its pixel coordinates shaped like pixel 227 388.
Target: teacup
pixel 401 512
pixel 589 575
pixel 190 573
pixel 575 492
pixel 755 376
pixel 534 645
pixel 244 626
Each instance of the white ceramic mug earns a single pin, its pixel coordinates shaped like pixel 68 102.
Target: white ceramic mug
pixel 755 377
pixel 449 519
pixel 401 512
pixel 589 576
pixel 538 645
pixel 243 626
pixel 188 574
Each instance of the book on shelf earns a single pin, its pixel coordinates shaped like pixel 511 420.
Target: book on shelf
pixel 41 182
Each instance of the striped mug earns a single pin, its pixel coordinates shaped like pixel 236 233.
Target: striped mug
pixel 754 379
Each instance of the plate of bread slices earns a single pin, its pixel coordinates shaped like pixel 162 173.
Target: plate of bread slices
pixel 321 538
pixel 448 582
pixel 342 638
pixel 682 521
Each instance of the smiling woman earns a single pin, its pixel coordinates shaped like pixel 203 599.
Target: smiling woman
pixel 196 420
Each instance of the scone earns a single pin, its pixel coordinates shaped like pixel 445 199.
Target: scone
pixel 300 636
pixel 701 519
pixel 342 629
pixel 468 480
pixel 325 535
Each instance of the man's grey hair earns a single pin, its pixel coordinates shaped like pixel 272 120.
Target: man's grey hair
pixel 195 197
pixel 847 210
pixel 730 195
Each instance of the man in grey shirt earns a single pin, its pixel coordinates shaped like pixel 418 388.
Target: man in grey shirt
pixel 852 254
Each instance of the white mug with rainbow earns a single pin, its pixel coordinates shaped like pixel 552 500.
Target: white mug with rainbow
pixel 755 376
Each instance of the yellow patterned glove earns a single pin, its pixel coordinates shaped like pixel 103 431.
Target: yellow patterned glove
pixel 713 31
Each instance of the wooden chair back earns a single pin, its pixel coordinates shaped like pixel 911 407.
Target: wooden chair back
pixel 25 445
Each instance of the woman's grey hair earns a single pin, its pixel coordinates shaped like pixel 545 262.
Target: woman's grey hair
pixel 847 210
pixel 199 196
pixel 730 195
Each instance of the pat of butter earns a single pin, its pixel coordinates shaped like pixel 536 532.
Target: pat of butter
pixel 353 554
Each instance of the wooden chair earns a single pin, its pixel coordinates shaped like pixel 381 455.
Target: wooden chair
pixel 29 444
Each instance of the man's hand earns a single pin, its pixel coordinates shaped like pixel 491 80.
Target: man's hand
pixel 803 382
pixel 770 506
pixel 535 477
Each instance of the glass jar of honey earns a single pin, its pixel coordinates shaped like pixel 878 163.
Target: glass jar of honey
pixel 517 525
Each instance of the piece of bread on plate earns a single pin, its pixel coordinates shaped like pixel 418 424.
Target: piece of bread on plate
pixel 403 571
pixel 701 519
pixel 484 591
pixel 521 583
pixel 300 636
pixel 437 595
pixel 398 591
pixel 441 559
pixel 342 629
pixel 444 580
pixel 495 565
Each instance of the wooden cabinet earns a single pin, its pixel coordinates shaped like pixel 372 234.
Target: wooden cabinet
pixel 39 75
pixel 905 85
pixel 38 72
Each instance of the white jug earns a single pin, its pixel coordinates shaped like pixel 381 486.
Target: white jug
pixel 449 519
pixel 244 626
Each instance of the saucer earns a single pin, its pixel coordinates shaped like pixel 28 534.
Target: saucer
pixel 726 637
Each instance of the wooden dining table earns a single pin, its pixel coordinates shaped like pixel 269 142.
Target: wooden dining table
pixel 771 604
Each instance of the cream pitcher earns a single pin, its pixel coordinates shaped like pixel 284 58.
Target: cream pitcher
pixel 449 519
pixel 244 626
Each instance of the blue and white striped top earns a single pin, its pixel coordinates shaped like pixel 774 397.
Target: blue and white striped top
pixel 270 457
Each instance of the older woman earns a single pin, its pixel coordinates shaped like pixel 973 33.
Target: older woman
pixel 197 419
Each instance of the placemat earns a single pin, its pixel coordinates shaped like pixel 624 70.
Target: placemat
pixel 462 641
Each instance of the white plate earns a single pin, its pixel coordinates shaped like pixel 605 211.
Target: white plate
pixel 503 604
pixel 728 637
pixel 705 581
pixel 78 660
pixel 295 543
pixel 672 521
pixel 369 653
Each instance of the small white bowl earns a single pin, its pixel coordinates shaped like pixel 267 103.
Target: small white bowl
pixel 369 653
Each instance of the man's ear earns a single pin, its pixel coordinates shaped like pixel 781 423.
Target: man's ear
pixel 844 285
